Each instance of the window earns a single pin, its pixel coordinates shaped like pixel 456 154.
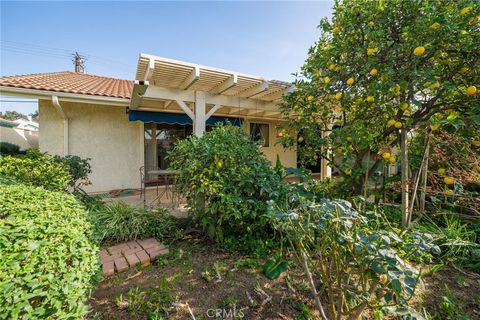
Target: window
pixel 260 133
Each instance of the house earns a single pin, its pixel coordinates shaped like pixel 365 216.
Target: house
pixel 27 124
pixel 123 124
pixel 22 133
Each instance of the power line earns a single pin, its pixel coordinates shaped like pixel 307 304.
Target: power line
pixel 33 49
pixel 19 101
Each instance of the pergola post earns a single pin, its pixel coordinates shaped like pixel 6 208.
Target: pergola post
pixel 199 121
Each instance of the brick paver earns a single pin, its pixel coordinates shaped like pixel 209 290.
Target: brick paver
pixel 120 257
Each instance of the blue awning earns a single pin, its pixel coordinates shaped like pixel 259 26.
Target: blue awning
pixel 177 118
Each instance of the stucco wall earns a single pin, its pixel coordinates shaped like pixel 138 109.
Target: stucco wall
pixel 288 157
pixel 25 139
pixel 102 133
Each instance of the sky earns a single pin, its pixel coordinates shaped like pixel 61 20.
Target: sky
pixel 268 39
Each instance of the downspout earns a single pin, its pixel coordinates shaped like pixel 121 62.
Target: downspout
pixel 62 114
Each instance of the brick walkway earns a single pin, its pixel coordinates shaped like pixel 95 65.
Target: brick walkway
pixel 120 257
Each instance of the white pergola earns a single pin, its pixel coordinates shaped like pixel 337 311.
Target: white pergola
pixel 167 85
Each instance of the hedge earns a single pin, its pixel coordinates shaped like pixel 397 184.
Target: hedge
pixel 47 260
pixel 35 169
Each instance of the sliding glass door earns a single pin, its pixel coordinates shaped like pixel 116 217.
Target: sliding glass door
pixel 159 139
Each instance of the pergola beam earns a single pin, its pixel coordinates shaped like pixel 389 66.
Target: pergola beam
pixel 227 84
pixel 154 92
pixel 259 88
pixel 150 69
pixel 191 79
pixel 138 92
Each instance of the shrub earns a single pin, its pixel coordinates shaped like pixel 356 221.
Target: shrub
pixel 227 181
pixel 357 266
pixel 35 169
pixel 79 169
pixel 119 221
pixel 8 149
pixel 47 261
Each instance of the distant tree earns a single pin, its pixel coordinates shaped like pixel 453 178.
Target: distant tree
pixel 34 115
pixel 12 115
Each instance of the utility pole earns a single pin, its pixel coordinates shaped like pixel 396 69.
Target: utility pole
pixel 79 62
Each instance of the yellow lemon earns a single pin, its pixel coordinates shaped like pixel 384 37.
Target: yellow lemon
pixel 449 192
pixel 476 143
pixel 441 171
pixel 448 180
pixel 310 98
pixel 370 51
pixel 465 11
pixel 386 155
pixel 391 122
pixel 383 279
pixel 392 159
pixel 331 67
pixel 219 164
pixel 326 80
pixel 434 86
pixel 370 99
pixel 398 124
pixel 373 72
pixel 348 171
pixel 419 51
pixel 338 95
pixel 336 29
pixel 471 91
pixel 435 25
pixel 405 106
pixel 350 81
pixel 337 68
pixel 300 139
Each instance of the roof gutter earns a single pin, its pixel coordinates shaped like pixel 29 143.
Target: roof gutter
pixel 64 96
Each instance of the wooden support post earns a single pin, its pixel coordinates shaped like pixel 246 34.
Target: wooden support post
pixel 199 123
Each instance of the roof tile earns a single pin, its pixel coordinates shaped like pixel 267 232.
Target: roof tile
pixel 72 82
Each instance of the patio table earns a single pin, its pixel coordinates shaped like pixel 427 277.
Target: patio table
pixel 165 174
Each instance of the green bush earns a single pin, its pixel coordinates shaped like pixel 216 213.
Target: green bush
pixel 79 169
pixel 8 149
pixel 357 264
pixel 35 169
pixel 227 181
pixel 47 261
pixel 119 221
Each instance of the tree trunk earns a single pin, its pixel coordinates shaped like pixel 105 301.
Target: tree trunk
pixel 423 182
pixel 406 216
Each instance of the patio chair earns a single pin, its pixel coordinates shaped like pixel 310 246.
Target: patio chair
pixel 147 181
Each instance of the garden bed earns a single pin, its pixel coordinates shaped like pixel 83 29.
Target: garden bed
pixel 205 278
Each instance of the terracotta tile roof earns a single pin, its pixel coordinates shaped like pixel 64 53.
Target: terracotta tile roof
pixel 72 82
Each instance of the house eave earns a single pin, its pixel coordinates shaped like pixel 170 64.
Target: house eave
pixel 63 96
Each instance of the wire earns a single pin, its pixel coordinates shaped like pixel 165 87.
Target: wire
pixel 19 101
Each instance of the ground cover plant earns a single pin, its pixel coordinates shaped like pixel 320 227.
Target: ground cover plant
pixel 118 221
pixel 47 260
pixel 227 182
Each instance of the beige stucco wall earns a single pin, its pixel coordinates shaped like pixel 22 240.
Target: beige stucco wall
pixel 102 133
pixel 288 157
pixel 25 139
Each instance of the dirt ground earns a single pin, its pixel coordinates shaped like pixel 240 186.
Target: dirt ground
pixel 197 278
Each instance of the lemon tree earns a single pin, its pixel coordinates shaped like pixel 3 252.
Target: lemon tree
pixel 380 70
